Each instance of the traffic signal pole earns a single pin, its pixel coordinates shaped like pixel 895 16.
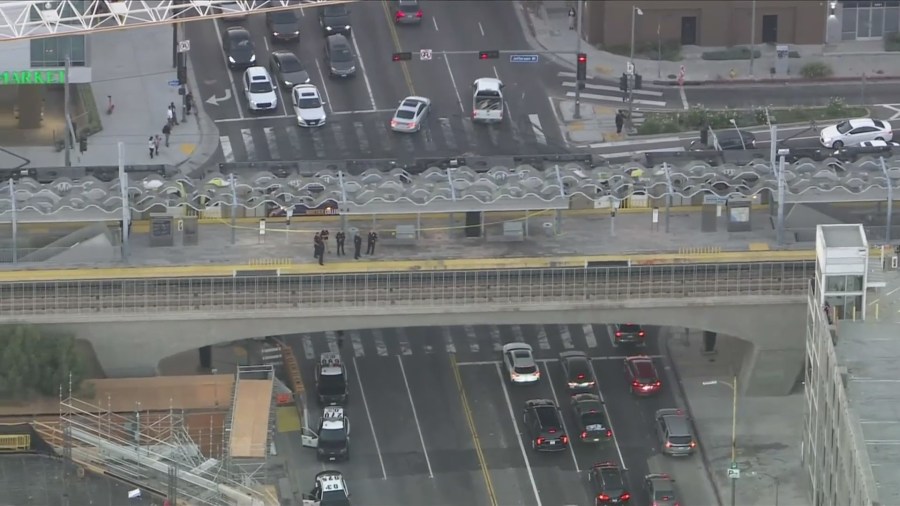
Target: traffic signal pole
pixel 578 82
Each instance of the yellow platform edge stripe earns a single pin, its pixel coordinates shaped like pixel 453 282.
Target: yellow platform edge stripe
pixel 200 271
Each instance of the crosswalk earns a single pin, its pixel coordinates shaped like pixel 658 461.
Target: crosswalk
pixel 369 136
pixel 482 341
pixel 608 93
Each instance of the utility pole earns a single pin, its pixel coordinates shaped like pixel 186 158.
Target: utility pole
pixel 68 117
pixel 578 16
pixel 632 80
pixel 752 36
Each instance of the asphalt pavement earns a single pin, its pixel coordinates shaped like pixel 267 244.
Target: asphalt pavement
pixel 433 421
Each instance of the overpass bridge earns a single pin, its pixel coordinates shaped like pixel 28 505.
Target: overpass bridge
pixel 133 323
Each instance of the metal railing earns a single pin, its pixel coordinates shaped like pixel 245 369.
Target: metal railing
pixel 437 289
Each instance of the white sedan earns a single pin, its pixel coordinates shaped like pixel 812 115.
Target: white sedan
pixel 518 360
pixel 308 105
pixel 259 90
pixel 410 114
pixel 854 132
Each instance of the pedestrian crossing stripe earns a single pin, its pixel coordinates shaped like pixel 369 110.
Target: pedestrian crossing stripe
pixel 250 142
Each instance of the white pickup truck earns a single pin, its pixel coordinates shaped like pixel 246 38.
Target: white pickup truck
pixel 487 100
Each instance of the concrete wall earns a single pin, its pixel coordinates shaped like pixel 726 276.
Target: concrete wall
pixel 133 345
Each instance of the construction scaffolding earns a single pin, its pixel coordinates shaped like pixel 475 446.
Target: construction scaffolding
pixel 250 424
pixel 150 450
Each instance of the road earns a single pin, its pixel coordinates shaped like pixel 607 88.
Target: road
pixel 429 411
pixel 359 108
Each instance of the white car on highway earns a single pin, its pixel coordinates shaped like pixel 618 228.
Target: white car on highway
pixel 259 89
pixel 854 132
pixel 308 105
pixel 518 360
pixel 410 114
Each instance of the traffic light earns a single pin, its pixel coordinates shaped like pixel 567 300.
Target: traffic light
pixel 623 83
pixel 493 54
pixel 638 79
pixel 581 73
pixel 82 144
pixel 401 56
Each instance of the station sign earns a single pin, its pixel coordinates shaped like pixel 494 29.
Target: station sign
pixel 523 58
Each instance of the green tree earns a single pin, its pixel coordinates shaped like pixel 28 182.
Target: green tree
pixel 33 363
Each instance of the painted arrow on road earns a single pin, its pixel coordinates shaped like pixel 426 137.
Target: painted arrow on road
pixel 214 100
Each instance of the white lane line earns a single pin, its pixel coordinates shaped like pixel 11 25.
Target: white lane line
pixel 380 347
pixel 255 118
pixel 610 333
pixel 362 393
pixel 234 93
pixel 538 129
pixel 447 132
pixel 272 142
pixel 517 333
pixel 553 360
pixel 512 418
pixel 609 421
pixel 495 338
pixel 225 142
pixel 589 336
pixel 449 345
pixel 324 87
pixel 566 337
pixel 358 349
pixel 318 142
pixel 562 419
pixel 602 87
pixel 415 416
pixel 308 351
pixel 405 348
pixel 496 74
pixel 331 339
pixel 480 29
pixel 362 66
pixel 637 101
pixel 623 154
pixel 433 20
pixel 684 102
pixel 247 137
pixel 293 136
pixel 338 132
pixel 473 338
pixel 543 341
pixel 361 136
pixel 367 111
pixel 558 120
pixel 661 140
pixel 453 82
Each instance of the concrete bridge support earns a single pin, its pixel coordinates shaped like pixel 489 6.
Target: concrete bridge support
pixel 134 345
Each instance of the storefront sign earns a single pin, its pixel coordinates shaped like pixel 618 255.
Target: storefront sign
pixel 32 77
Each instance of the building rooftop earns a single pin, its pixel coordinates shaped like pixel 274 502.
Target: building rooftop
pixel 870 352
pixel 39 480
pixel 843 236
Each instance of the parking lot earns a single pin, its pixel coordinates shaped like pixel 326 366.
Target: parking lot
pixel 430 426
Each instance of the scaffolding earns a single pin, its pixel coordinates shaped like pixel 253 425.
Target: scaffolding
pixel 250 425
pixel 152 451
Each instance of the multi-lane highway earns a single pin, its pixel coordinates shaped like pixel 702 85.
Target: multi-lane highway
pixel 433 422
pixel 359 108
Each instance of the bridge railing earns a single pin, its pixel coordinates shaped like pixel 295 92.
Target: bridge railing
pixel 436 289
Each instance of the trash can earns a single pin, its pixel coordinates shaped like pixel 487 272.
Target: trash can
pixel 549 229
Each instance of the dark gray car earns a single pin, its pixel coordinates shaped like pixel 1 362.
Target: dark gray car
pixel 335 19
pixel 283 25
pixel 339 56
pixel 239 48
pixel 287 70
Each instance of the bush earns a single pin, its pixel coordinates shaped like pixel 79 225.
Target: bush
pixel 669 51
pixel 892 42
pixel 793 54
pixel 31 363
pixel 816 70
pixel 732 53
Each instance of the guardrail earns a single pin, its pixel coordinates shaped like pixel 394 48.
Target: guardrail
pixel 512 287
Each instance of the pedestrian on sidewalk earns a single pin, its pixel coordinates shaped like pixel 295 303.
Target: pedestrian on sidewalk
pixel 572 16
pixel 157 140
pixel 339 239
pixel 620 121
pixel 174 112
pixel 373 238
pixel 320 253
pixel 188 102
pixel 357 246
pixel 167 131
pixel 152 145
pixel 170 117
pixel 317 240
pixel 325 240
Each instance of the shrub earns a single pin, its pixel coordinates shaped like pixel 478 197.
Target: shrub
pixel 816 70
pixel 732 53
pixel 836 106
pixel 657 125
pixel 892 42
pixel 670 50
pixel 793 54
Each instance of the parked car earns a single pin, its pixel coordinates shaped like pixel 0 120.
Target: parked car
pixel 854 132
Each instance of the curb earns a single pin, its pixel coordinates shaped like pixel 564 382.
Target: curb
pixel 774 82
pixel 524 17
pixel 207 143
pixel 707 465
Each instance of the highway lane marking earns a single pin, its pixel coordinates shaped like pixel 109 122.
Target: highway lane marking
pixel 380 346
pixel 615 436
pixel 512 418
pixel 324 87
pixel 473 338
pixel 362 66
pixel 308 351
pixel 537 129
pixel 495 338
pixel 356 339
pixel 272 143
pixel 255 118
pixel 562 419
pixel 331 339
pixel 453 82
pixel 415 416
pixel 622 154
pixel 589 336
pixel 338 131
pixel 434 20
pixel 361 136
pixel 543 341
pixel 684 102
pixel 367 111
pixel 237 103
pixel 558 121
pixel 480 29
pixel 405 348
pixel 601 87
pixel 636 142
pixel 551 360
pixel 517 333
pixel 227 153
pixel 467 411
pixel 449 345
pixel 610 332
pixel 318 142
pixel 249 146
pixel 396 39
pixel 566 337
pixel 638 101
pixel 362 393
pixel 447 130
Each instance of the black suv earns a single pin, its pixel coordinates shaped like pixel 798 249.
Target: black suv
pixel 238 47
pixel 544 424
pixel 629 333
pixel 335 19
pixel 283 25
pixel 331 380
pixel 577 369
pixel 608 484
pixel 590 419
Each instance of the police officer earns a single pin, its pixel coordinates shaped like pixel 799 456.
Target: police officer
pixel 373 238
pixel 339 239
pixel 357 246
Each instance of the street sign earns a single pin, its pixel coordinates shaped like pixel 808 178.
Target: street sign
pixel 425 54
pixel 184 46
pixel 523 58
pixel 174 83
pixel 733 471
pixel 629 68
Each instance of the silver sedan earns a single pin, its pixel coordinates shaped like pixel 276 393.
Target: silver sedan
pixel 410 114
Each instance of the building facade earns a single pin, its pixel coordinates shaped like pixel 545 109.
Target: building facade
pixel 607 23
pixel 867 20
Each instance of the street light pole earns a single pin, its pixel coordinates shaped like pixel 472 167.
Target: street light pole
pixel 752 36
pixel 734 405
pixel 635 11
pixel 578 16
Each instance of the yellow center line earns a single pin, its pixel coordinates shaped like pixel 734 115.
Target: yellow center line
pixel 397 47
pixel 471 422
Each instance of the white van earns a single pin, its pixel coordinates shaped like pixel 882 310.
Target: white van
pixel 487 100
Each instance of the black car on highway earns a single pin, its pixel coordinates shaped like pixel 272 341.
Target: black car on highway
pixel 408 12
pixel 543 422
pixel 331 380
pixel 577 370
pixel 608 484
pixel 283 25
pixel 239 49
pixel 590 419
pixel 287 69
pixel 335 19
pixel 629 333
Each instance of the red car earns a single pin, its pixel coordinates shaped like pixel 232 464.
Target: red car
pixel 643 380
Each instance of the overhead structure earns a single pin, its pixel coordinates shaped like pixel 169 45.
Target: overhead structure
pixel 39 18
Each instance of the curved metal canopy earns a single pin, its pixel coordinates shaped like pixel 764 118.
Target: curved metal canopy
pixel 452 190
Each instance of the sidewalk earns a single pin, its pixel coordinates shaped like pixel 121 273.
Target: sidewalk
pixel 546 27
pixel 768 428
pixel 134 67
